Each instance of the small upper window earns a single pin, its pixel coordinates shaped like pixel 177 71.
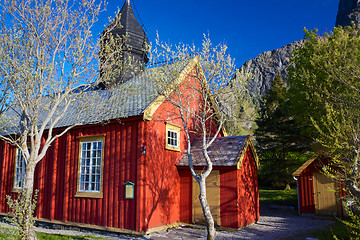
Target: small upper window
pixel 20 170
pixel 172 137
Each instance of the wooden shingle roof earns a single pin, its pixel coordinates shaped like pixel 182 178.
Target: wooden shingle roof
pixel 224 152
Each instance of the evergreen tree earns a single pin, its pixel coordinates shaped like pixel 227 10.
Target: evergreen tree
pixel 279 142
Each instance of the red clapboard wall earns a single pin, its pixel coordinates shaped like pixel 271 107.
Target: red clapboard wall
pixel 305 182
pixel 239 194
pixel 56 177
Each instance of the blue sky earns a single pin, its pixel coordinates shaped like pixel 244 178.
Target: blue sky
pixel 247 27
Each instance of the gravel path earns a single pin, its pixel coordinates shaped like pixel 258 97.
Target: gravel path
pixel 268 228
pixel 273 224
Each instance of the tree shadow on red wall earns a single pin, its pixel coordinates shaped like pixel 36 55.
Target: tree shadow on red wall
pixel 161 183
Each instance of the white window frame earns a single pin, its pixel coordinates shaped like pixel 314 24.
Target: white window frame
pixel 20 171
pixel 90 171
pixel 171 139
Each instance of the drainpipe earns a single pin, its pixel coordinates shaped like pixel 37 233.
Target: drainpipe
pixel 297 188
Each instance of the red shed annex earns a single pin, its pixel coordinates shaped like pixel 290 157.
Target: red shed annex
pixel 136 182
pixel 317 193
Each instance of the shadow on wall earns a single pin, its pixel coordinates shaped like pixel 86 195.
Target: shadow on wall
pixel 249 193
pixel 160 183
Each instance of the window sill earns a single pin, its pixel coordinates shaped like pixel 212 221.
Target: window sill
pixel 16 190
pixel 89 194
pixel 176 149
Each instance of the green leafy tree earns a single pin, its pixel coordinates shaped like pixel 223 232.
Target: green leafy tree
pixel 279 141
pixel 352 223
pixel 325 93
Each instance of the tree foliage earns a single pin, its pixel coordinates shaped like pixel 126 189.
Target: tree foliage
pixel 21 221
pixel 325 94
pixel 242 107
pixel 352 223
pixel 278 137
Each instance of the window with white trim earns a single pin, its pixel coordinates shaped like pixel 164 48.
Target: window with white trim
pixel 172 137
pixel 90 166
pixel 20 170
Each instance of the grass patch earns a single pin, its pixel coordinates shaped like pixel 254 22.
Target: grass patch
pixel 324 233
pixel 281 197
pixel 45 236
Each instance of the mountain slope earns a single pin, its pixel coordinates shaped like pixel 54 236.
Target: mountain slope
pixel 261 71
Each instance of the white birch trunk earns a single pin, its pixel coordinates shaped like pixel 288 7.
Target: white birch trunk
pixel 28 227
pixel 211 232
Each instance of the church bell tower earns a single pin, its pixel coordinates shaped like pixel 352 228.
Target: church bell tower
pixel 129 37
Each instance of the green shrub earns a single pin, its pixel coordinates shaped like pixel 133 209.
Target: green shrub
pixel 19 220
pixel 352 223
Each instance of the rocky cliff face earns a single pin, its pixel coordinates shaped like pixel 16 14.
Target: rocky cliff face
pixel 349 11
pixel 251 81
pixel 261 71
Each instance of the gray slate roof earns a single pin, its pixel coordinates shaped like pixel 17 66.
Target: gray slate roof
pixel 224 152
pixel 126 100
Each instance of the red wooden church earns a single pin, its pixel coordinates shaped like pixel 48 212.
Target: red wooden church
pixel 132 174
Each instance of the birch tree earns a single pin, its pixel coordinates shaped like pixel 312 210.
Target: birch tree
pixel 48 70
pixel 196 101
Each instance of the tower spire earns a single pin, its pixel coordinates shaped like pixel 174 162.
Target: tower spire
pixel 134 43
